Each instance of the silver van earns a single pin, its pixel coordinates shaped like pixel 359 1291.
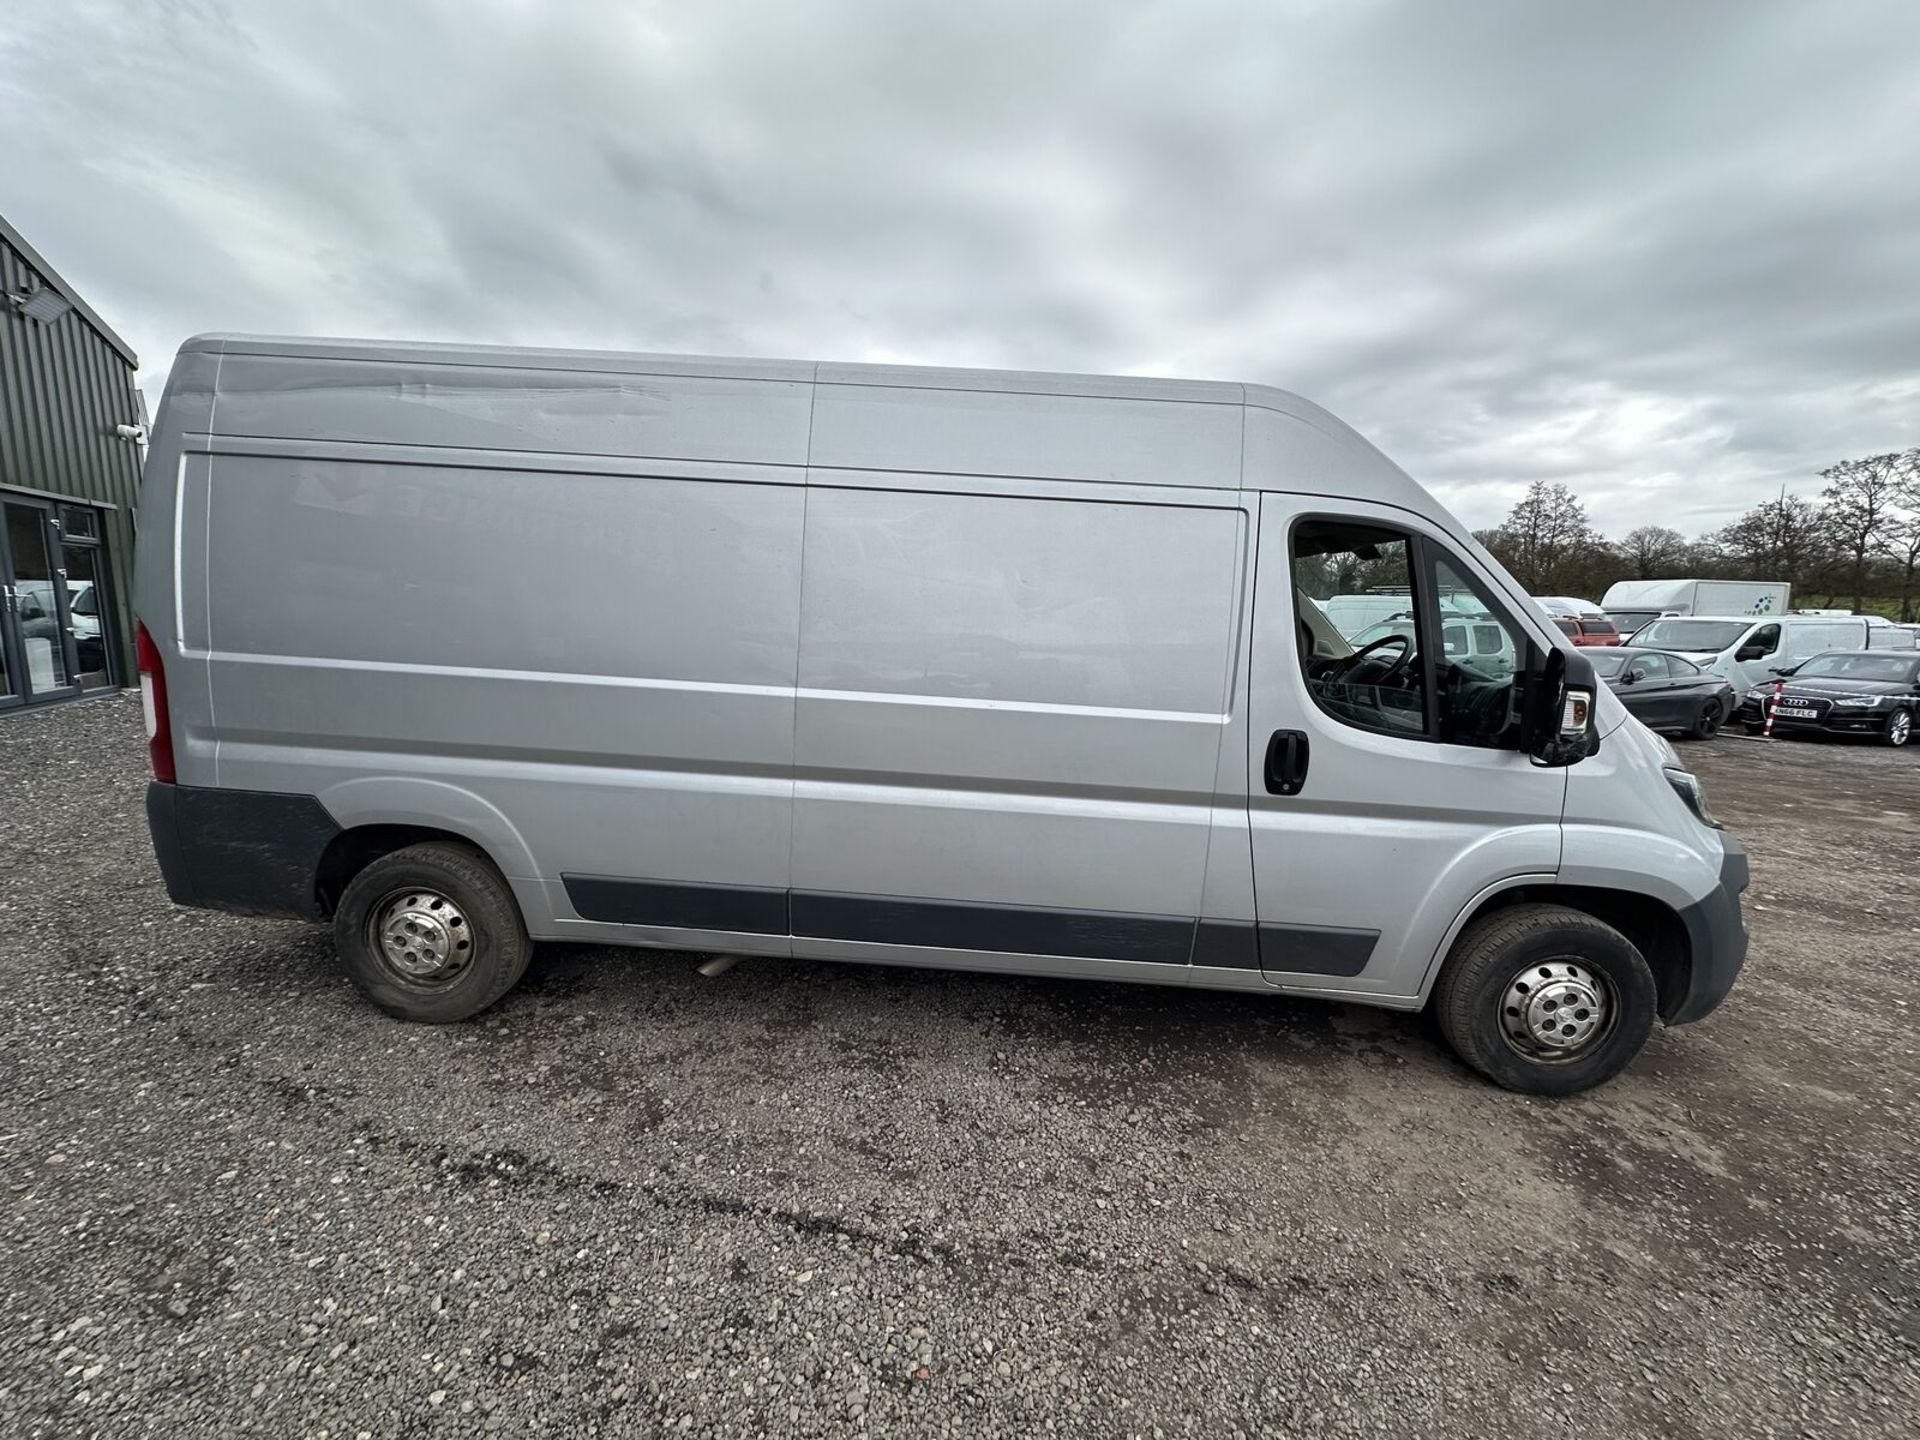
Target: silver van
pixel 459 648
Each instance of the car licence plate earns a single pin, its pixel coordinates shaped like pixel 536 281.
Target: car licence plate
pixel 1794 712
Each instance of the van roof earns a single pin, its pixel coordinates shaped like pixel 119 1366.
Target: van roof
pixel 908 418
pixel 1769 619
pixel 639 362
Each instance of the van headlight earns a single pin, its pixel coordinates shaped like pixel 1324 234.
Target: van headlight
pixel 1687 786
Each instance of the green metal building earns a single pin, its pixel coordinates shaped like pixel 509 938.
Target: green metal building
pixel 72 429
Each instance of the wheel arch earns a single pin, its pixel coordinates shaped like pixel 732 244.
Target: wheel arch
pixel 380 814
pixel 1653 926
pixel 352 850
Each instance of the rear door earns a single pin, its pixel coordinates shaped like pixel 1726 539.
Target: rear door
pixel 1404 793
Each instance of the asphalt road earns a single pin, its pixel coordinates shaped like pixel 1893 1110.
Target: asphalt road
pixel 810 1199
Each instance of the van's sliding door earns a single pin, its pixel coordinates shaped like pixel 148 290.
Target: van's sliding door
pixel 1008 725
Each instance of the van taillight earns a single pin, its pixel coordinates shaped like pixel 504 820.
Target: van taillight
pixel 153 701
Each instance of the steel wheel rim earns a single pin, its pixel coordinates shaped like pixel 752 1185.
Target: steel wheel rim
pixel 1553 1012
pixel 422 939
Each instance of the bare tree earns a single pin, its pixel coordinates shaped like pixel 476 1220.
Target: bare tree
pixel 1786 538
pixel 1901 539
pixel 1861 495
pixel 1652 550
pixel 1544 536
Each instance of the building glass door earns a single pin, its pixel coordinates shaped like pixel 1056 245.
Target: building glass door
pixel 36 626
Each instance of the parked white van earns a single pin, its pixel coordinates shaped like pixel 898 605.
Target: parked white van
pixel 1744 650
pixel 1352 614
pixel 1885 634
pixel 457 648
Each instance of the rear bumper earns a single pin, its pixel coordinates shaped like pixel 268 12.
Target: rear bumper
pixel 1717 938
pixel 251 852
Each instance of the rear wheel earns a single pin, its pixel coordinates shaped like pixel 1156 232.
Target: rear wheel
pixel 431 933
pixel 1545 1000
pixel 1706 724
pixel 1899 729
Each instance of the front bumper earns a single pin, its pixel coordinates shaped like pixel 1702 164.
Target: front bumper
pixel 1717 939
pixel 1834 722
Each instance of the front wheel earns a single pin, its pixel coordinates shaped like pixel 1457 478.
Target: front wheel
pixel 431 933
pixel 1899 728
pixel 1545 1000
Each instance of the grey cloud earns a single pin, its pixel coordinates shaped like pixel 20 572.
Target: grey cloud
pixel 1659 252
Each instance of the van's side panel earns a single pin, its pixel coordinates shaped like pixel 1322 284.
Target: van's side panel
pixel 1093 436
pixel 501 407
pixel 591 675
pixel 1009 720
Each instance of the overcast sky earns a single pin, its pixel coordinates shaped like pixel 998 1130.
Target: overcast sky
pixel 1668 252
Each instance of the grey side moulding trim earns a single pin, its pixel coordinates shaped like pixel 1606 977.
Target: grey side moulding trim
pixel 885 919
pixel 1315 949
pixel 681 904
pixel 1226 945
pixel 961 925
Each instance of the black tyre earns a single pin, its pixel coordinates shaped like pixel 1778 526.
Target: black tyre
pixel 1706 724
pixel 1899 729
pixel 1545 1000
pixel 431 933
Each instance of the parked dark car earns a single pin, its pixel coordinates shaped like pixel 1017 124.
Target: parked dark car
pixel 1843 692
pixel 1666 692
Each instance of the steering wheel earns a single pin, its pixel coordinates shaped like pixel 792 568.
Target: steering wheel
pixel 1338 674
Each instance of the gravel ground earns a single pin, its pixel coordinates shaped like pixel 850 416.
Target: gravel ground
pixel 812 1199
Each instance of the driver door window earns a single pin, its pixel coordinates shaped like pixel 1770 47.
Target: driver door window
pixel 1430 657
pixel 1365 670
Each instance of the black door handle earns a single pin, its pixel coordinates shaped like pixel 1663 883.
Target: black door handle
pixel 1286 762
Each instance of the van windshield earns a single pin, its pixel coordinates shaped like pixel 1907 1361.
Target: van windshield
pixel 1631 620
pixel 1698 635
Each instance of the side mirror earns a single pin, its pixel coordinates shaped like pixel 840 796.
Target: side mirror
pixel 1557 713
pixel 1630 677
pixel 1782 670
pixel 1750 652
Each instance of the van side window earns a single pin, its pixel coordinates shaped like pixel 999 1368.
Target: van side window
pixel 1765 640
pixel 1369 675
pixel 1478 695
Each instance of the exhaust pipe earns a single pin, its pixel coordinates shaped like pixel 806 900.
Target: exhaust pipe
pixel 717 965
